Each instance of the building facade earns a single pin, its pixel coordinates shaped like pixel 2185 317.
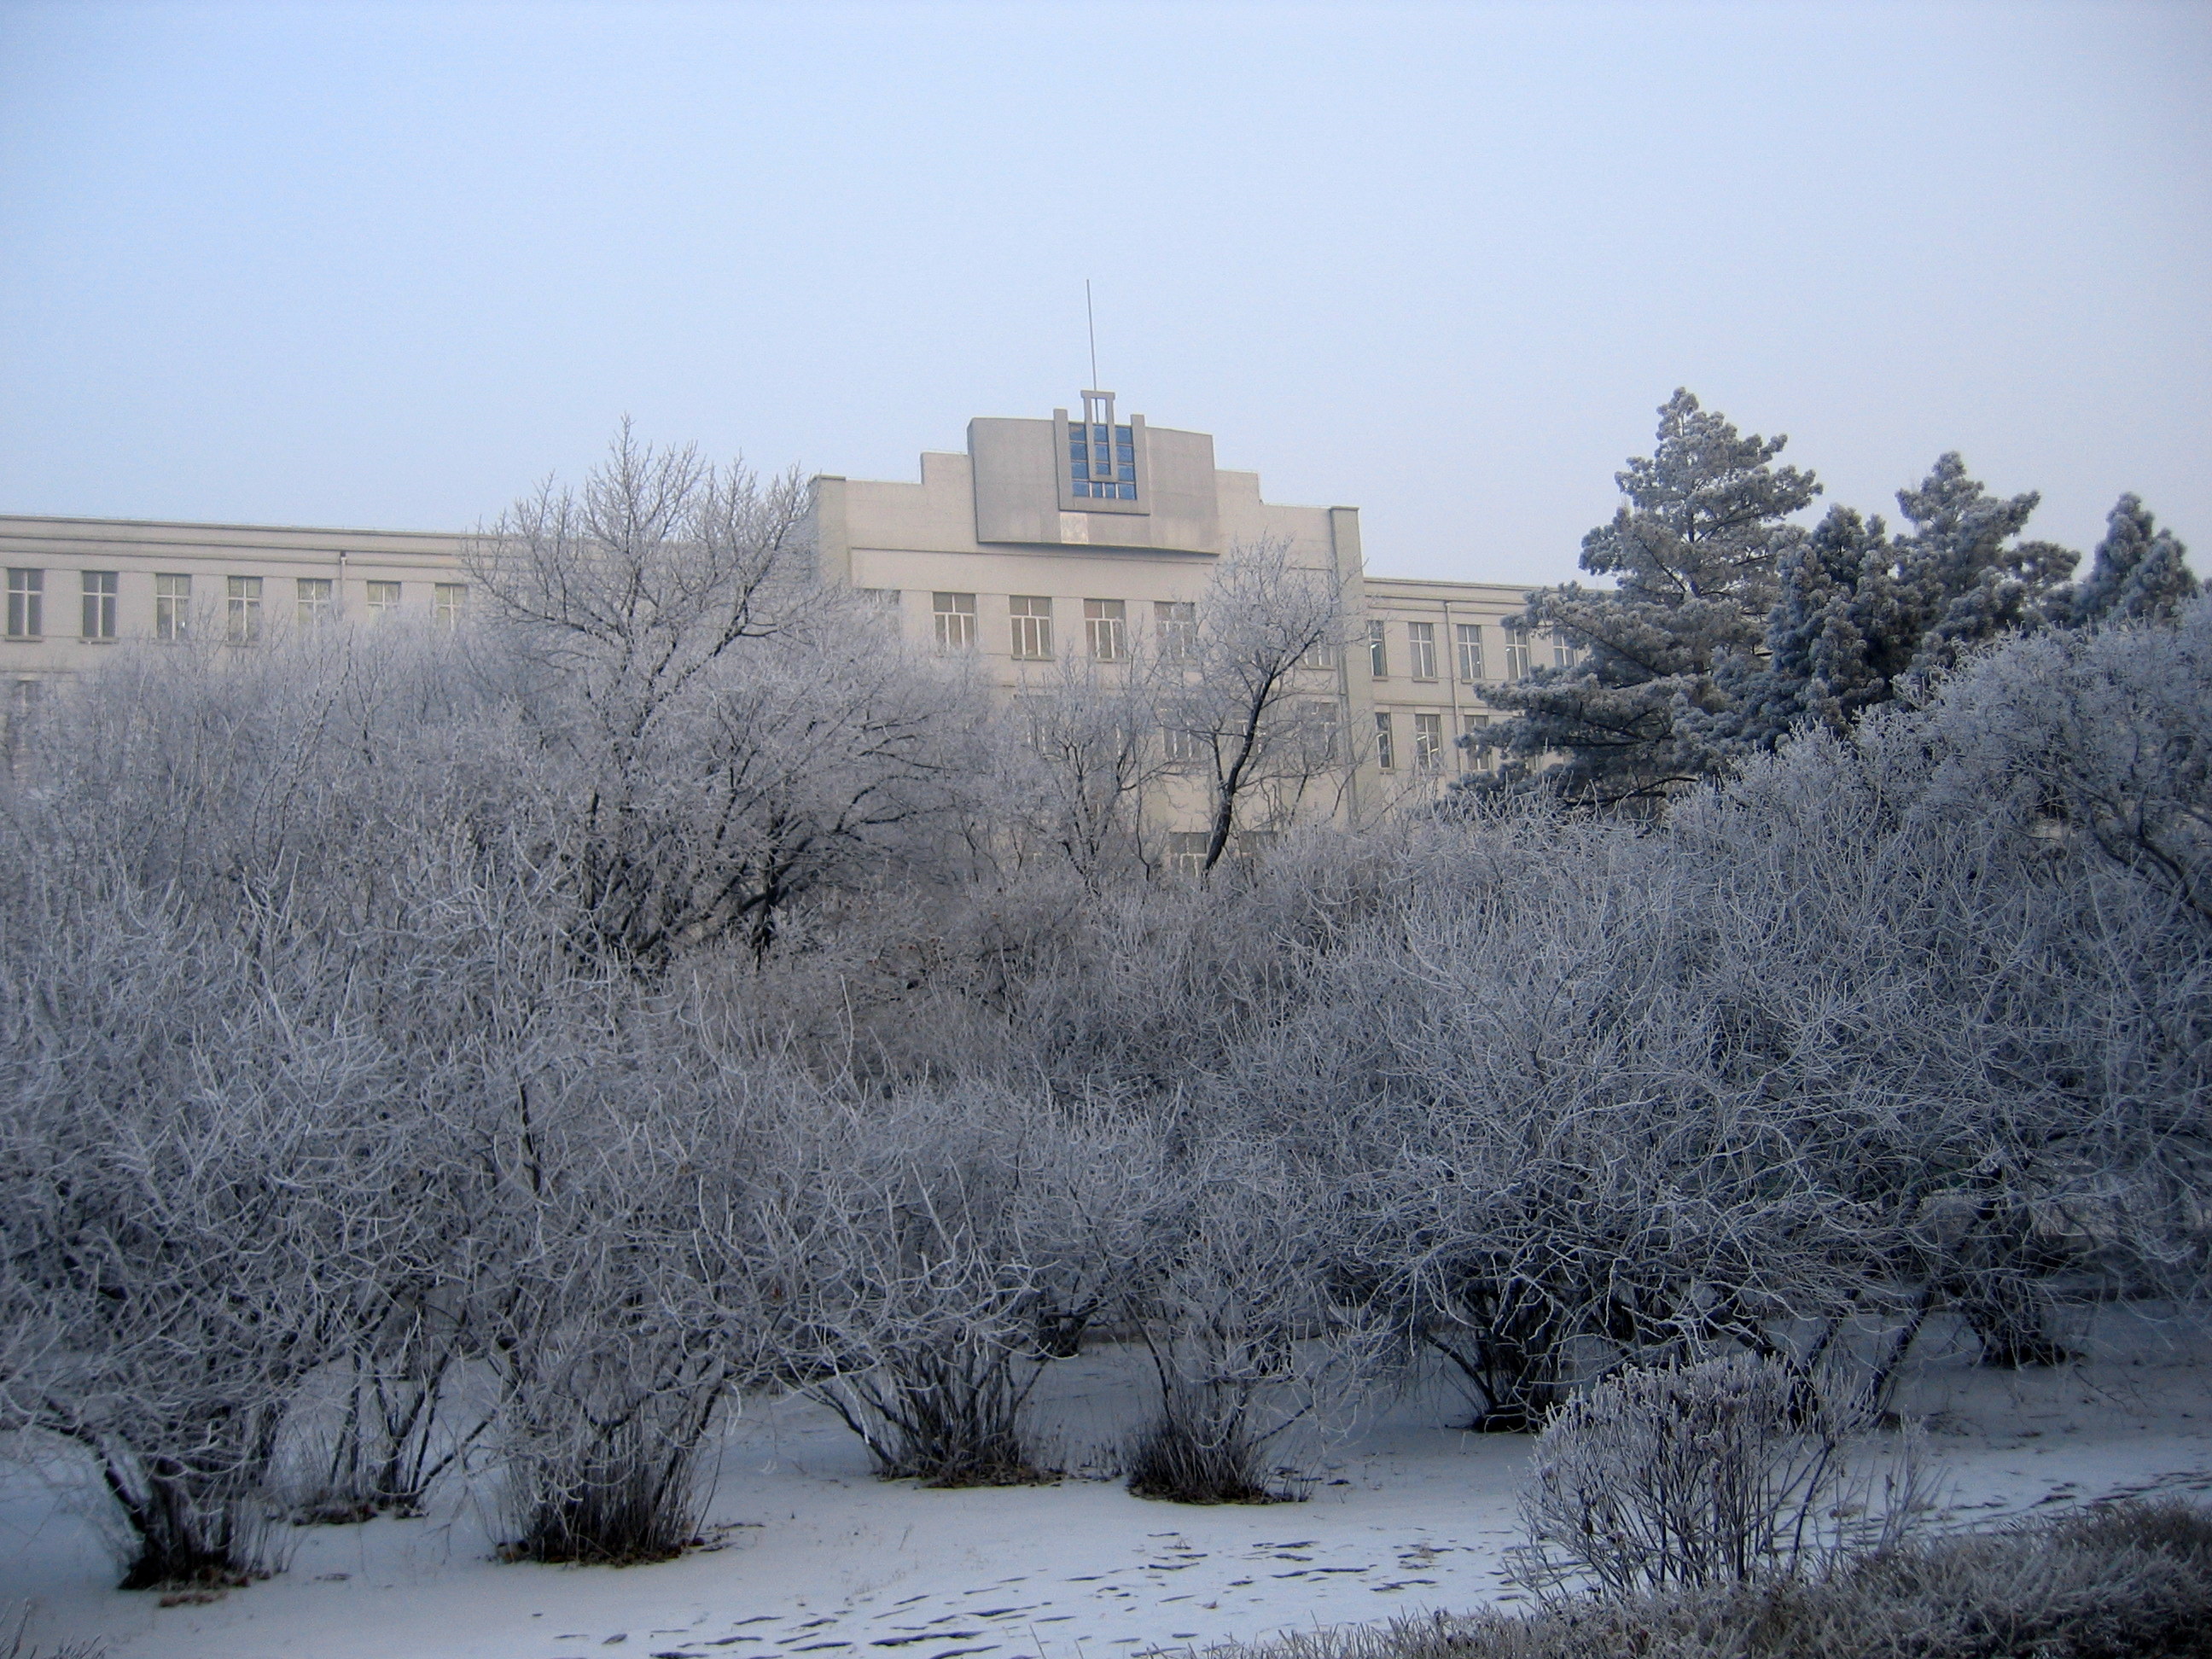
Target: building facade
pixel 1069 536
pixel 1088 534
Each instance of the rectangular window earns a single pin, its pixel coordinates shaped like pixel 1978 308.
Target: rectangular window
pixel 879 607
pixel 1565 654
pixel 1428 743
pixel 1175 624
pixel 449 603
pixel 1421 645
pixel 1031 615
pixel 1516 651
pixel 311 601
pixel 1319 654
pixel 243 610
pixel 1470 653
pixel 1182 746
pixel 1320 728
pixel 955 621
pixel 1249 847
pixel 383 601
pixel 1102 452
pixel 173 607
pixel 1186 852
pixel 100 605
pixel 1106 622
pixel 27 604
pixel 1385 744
pixel 1474 744
pixel 1378 653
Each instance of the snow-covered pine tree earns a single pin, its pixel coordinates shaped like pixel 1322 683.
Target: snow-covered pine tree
pixel 1696 550
pixel 1842 630
pixel 1968 585
pixel 1857 612
pixel 2141 573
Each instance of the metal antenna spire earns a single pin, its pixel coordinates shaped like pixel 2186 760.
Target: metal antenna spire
pixel 1091 317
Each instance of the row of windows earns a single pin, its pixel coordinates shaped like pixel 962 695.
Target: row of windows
pixel 1030 615
pixel 1429 742
pixel 314 599
pixel 1321 722
pixel 1176 635
pixel 1187 848
pixel 1421 650
pixel 1184 748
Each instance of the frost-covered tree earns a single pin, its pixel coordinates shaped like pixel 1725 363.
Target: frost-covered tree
pixel 1082 756
pixel 1857 612
pixel 1695 552
pixel 1968 576
pixel 1255 718
pixel 2141 573
pixel 1844 628
pixel 720 741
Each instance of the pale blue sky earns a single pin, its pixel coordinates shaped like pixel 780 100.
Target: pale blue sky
pixel 387 265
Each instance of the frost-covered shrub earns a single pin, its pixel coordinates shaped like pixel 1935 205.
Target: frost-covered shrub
pixel 1725 1471
pixel 922 1259
pixel 2132 1579
pixel 1247 1347
pixel 452 1117
pixel 183 1172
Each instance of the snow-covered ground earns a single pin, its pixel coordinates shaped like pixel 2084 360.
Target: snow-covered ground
pixel 814 1557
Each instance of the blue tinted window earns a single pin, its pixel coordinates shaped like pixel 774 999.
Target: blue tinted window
pixel 1101 461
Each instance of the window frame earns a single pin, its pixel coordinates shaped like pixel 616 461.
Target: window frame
pixel 1181 747
pixel 449 603
pixel 172 607
pixel 1175 629
pixel 382 600
pixel 1186 852
pixel 1517 649
pixel 1029 629
pixel 1429 744
pixel 1126 485
pixel 96 618
pixel 27 603
pixel 241 610
pixel 1421 650
pixel 1324 722
pixel 1476 756
pixel 1386 742
pixel 1468 644
pixel 1378 650
pixel 315 609
pixel 954 622
pixel 1106 626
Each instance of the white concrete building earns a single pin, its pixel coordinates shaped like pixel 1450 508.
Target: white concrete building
pixel 1043 537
